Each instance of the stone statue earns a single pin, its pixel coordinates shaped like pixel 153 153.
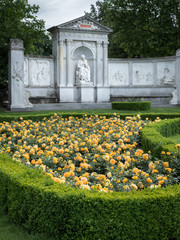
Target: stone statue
pixel 83 71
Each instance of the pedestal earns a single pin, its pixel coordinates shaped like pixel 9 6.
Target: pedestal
pixel 66 94
pixel 103 94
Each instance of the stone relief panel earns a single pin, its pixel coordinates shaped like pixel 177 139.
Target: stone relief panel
pixel 84 24
pixel 82 35
pixel 118 74
pixel 40 72
pixel 166 73
pixel 17 74
pixel 142 73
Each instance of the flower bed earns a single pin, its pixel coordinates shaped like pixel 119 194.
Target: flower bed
pixel 89 152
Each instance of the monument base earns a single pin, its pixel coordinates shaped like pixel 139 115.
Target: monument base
pixel 66 94
pixel 103 94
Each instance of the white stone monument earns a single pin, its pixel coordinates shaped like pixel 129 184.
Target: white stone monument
pixel 16 74
pixel 81 65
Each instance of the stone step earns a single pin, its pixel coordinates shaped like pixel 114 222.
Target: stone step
pixel 70 106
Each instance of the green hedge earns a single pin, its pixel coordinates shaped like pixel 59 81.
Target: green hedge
pixel 39 117
pixel 41 205
pixel 131 105
pixel 155 136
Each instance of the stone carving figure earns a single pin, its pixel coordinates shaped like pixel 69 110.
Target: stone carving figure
pixel 83 74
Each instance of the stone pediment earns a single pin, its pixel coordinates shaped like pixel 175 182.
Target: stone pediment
pixel 84 23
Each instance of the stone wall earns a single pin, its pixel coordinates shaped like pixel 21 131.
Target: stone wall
pixel 143 78
pixel 37 79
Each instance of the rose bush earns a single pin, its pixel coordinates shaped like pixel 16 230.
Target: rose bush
pixel 91 152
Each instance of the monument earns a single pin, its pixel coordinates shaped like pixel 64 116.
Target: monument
pixel 82 41
pixel 80 75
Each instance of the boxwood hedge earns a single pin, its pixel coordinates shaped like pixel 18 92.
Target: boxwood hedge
pixel 131 105
pixel 155 136
pixel 39 117
pixel 62 212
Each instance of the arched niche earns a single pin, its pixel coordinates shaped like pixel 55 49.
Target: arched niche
pixel 76 55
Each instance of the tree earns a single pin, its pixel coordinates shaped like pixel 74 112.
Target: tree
pixel 147 28
pixel 19 20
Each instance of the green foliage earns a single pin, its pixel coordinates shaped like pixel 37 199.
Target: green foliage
pixel 141 28
pixel 39 116
pixel 155 136
pixel 19 20
pixel 131 105
pixel 63 212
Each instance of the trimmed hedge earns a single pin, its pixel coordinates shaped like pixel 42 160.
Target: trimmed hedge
pixel 155 136
pixel 131 105
pixel 39 117
pixel 39 204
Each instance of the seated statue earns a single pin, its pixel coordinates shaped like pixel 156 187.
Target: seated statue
pixel 83 71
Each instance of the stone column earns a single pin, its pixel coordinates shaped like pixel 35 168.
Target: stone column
pixel 105 64
pixel 98 67
pixel 68 64
pixel 178 75
pixel 16 75
pixel 61 63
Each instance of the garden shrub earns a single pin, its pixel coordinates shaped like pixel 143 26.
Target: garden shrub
pixel 64 212
pixel 155 136
pixel 39 117
pixel 131 105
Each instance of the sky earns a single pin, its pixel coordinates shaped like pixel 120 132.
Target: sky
pixel 55 12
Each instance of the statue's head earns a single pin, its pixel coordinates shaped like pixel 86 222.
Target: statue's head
pixel 82 57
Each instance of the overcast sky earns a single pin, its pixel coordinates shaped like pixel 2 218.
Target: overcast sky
pixel 55 12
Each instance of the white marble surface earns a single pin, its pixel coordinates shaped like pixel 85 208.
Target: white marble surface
pixel 166 73
pixel 143 73
pixel 118 74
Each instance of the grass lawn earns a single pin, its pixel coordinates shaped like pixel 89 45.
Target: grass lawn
pixel 9 231
pixel 176 138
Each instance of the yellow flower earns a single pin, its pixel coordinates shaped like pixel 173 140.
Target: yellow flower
pixel 166 164
pixel 55 160
pixel 161 182
pixel 134 177
pixel 112 161
pixel 67 174
pixel 149 180
pixel 134 186
pixel 125 180
pixel 151 165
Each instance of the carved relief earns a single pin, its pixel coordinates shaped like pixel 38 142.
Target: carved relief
pixel 166 73
pixel 17 74
pixel 142 76
pixel 16 43
pixel 82 35
pixel 118 74
pixel 40 75
pixel 84 24
pixel 143 73
pixel 119 78
pixel 27 95
pixel 167 79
